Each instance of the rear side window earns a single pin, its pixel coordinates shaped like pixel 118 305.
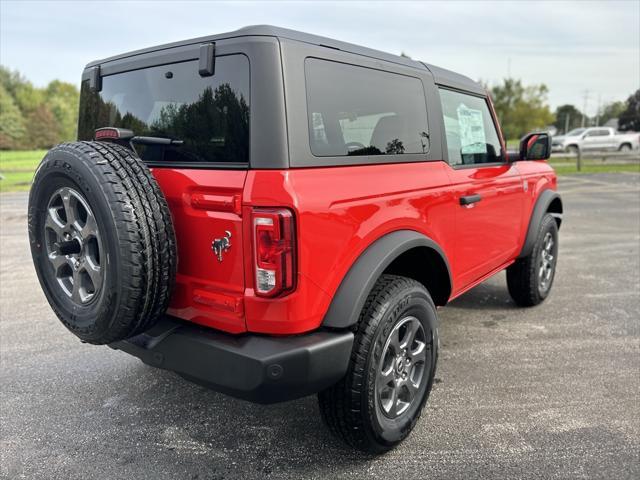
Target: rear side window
pixel 360 111
pixel 210 115
pixel 598 133
pixel 471 135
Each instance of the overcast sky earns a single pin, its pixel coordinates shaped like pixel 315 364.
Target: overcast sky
pixel 572 47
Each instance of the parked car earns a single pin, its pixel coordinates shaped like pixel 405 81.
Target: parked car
pixel 275 214
pixel 595 138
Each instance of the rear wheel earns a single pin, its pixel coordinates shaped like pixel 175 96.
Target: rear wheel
pixel 530 278
pixel 625 147
pixel 378 402
pixel 102 240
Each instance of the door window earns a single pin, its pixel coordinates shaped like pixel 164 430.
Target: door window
pixel 471 134
pixel 597 133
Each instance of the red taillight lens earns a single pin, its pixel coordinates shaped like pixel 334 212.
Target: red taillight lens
pixel 274 250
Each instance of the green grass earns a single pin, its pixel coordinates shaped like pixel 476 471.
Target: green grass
pixel 17 167
pixel 597 168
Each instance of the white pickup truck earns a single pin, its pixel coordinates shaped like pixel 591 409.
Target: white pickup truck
pixel 595 138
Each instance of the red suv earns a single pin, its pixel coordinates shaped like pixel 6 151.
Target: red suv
pixel 275 214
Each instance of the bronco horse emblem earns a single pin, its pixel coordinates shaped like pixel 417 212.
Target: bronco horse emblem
pixel 221 245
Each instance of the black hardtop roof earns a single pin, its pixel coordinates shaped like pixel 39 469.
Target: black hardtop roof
pixel 441 75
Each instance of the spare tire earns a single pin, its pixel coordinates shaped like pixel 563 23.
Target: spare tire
pixel 102 240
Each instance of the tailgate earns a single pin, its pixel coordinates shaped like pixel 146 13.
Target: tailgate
pixel 205 205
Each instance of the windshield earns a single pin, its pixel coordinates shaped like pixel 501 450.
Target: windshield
pixel 207 116
pixel 575 132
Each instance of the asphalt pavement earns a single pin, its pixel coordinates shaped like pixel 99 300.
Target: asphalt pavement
pixel 546 392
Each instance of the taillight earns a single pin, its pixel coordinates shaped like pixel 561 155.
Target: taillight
pixel 274 251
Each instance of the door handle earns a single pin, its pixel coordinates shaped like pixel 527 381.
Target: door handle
pixel 470 199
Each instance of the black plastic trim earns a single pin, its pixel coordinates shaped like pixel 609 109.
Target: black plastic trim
pixel 539 210
pixel 470 199
pixel 253 367
pixel 95 79
pixel 207 61
pixel 199 165
pixel 355 287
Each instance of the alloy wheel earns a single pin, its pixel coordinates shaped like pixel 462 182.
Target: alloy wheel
pixel 402 367
pixel 547 262
pixel 73 245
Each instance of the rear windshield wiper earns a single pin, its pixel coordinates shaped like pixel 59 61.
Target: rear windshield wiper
pixel 156 141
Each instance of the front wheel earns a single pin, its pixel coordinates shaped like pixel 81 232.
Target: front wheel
pixel 530 278
pixel 390 375
pixel 573 149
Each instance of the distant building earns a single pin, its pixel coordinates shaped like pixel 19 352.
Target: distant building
pixel 613 123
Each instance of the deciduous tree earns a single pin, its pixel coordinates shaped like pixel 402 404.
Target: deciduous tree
pixel 629 120
pixel 520 108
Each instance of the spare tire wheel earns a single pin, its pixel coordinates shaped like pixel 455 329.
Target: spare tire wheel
pixel 102 240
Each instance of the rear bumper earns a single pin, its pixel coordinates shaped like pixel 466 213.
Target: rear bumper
pixel 257 368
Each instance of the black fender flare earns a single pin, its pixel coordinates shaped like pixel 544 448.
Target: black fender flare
pixel 354 289
pixel 539 210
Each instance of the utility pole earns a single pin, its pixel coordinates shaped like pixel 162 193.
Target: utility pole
pixel 598 112
pixel 584 107
pixel 567 118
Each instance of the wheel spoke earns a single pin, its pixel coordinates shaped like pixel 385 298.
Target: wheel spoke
pixel 75 293
pixel 394 341
pixel 69 203
pixel 90 228
pixel 412 388
pixel 410 334
pixel 419 354
pixel 393 407
pixel 52 223
pixel 94 274
pixel 385 376
pixel 57 261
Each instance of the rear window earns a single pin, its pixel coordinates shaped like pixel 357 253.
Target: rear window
pixel 209 114
pixel 360 111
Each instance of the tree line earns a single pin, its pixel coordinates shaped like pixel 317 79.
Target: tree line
pixel 522 109
pixel 32 117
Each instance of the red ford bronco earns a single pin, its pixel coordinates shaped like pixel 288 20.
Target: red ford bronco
pixel 275 214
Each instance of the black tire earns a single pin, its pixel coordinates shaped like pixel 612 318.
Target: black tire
pixel 352 408
pixel 524 278
pixel 573 149
pixel 131 251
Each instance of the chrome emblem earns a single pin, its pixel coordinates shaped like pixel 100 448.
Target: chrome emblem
pixel 221 245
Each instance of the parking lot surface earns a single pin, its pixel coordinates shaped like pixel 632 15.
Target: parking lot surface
pixel 547 392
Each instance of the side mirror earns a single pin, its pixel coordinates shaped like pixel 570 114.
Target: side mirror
pixel 535 146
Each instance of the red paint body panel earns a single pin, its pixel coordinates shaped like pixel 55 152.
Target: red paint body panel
pixel 487 232
pixel 339 212
pixel 204 204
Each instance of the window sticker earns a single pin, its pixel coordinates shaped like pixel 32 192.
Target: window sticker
pixel 472 136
